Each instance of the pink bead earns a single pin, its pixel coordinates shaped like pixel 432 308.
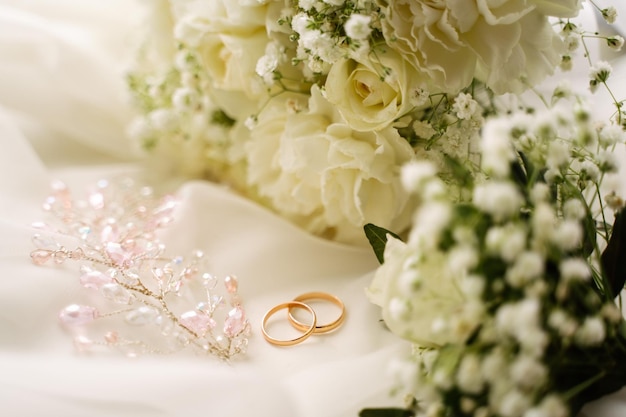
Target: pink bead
pixel 78 315
pixel 235 323
pixel 231 284
pixel 197 322
pixel 94 279
pixel 117 254
pixel 111 337
pixel 40 256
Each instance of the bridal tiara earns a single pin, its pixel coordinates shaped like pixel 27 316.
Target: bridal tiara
pixel 140 300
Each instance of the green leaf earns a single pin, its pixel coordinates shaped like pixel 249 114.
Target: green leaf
pixel 613 264
pixel 386 412
pixel 460 172
pixel 378 239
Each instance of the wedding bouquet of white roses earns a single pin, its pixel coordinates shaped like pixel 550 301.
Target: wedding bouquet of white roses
pixel 312 106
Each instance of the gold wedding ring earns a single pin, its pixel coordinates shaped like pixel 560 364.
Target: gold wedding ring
pixel 308 330
pixel 322 328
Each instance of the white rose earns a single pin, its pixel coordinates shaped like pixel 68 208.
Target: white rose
pixel 500 42
pixel 230 60
pixel 367 99
pixel 421 299
pixel 229 38
pixel 558 8
pixel 314 169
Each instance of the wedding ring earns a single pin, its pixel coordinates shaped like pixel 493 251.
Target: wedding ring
pixel 308 330
pixel 322 328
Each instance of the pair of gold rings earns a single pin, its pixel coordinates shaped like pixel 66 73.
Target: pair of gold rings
pixel 306 329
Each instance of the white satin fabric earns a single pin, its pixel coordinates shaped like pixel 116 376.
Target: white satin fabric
pixel 63 111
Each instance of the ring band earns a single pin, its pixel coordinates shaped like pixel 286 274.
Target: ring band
pixel 323 328
pixel 308 330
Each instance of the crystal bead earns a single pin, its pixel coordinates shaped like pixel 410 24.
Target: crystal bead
pixel 44 242
pixel 96 200
pixel 116 293
pixel 40 256
pixel 94 279
pixel 141 316
pixel 110 233
pixel 197 322
pixel 111 337
pixel 209 281
pixel 83 343
pixel 231 284
pixel 117 254
pixel 78 315
pixel 235 323
pixel 59 257
pixel 217 301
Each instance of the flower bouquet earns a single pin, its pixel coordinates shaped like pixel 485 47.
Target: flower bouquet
pixel 354 118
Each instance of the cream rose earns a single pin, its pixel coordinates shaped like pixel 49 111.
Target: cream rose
pixel 421 299
pixel 503 43
pixel 312 168
pixel 366 97
pixel 229 38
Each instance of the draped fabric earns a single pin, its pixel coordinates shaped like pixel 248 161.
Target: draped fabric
pixel 63 114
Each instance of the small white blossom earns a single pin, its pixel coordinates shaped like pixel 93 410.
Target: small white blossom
pixel 528 266
pixel 551 406
pixel 465 106
pixel 415 174
pixel 419 96
pixel 609 14
pixel 468 376
pixel 358 27
pixel 558 155
pixel 590 171
pixel 496 149
pixel 540 193
pixel 528 372
pixel 184 99
pixel 591 333
pixel 500 199
pixel 615 42
pixel 163 119
pixel 423 129
pixel 599 73
pixel 513 404
pixel 562 322
pixel 610 135
pixel 568 235
pixel 574 209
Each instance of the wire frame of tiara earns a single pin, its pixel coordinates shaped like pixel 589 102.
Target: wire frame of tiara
pixel 139 300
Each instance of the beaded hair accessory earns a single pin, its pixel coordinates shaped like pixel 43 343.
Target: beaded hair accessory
pixel 140 298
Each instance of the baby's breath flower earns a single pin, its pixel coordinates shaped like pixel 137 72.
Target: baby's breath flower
pixel 599 73
pixel 562 322
pixel 591 333
pixel 468 376
pixel 575 269
pixel 568 235
pixel 358 27
pixel 465 106
pixel 574 209
pixel 527 372
pixel 500 199
pixel 615 42
pixel 415 174
pixel 609 14
pixel 610 135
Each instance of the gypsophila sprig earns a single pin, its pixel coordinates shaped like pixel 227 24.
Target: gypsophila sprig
pixel 504 293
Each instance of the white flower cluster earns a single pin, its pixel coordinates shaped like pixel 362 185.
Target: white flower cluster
pixel 311 106
pixel 496 291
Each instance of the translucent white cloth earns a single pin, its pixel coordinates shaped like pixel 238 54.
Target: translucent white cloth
pixel 63 111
